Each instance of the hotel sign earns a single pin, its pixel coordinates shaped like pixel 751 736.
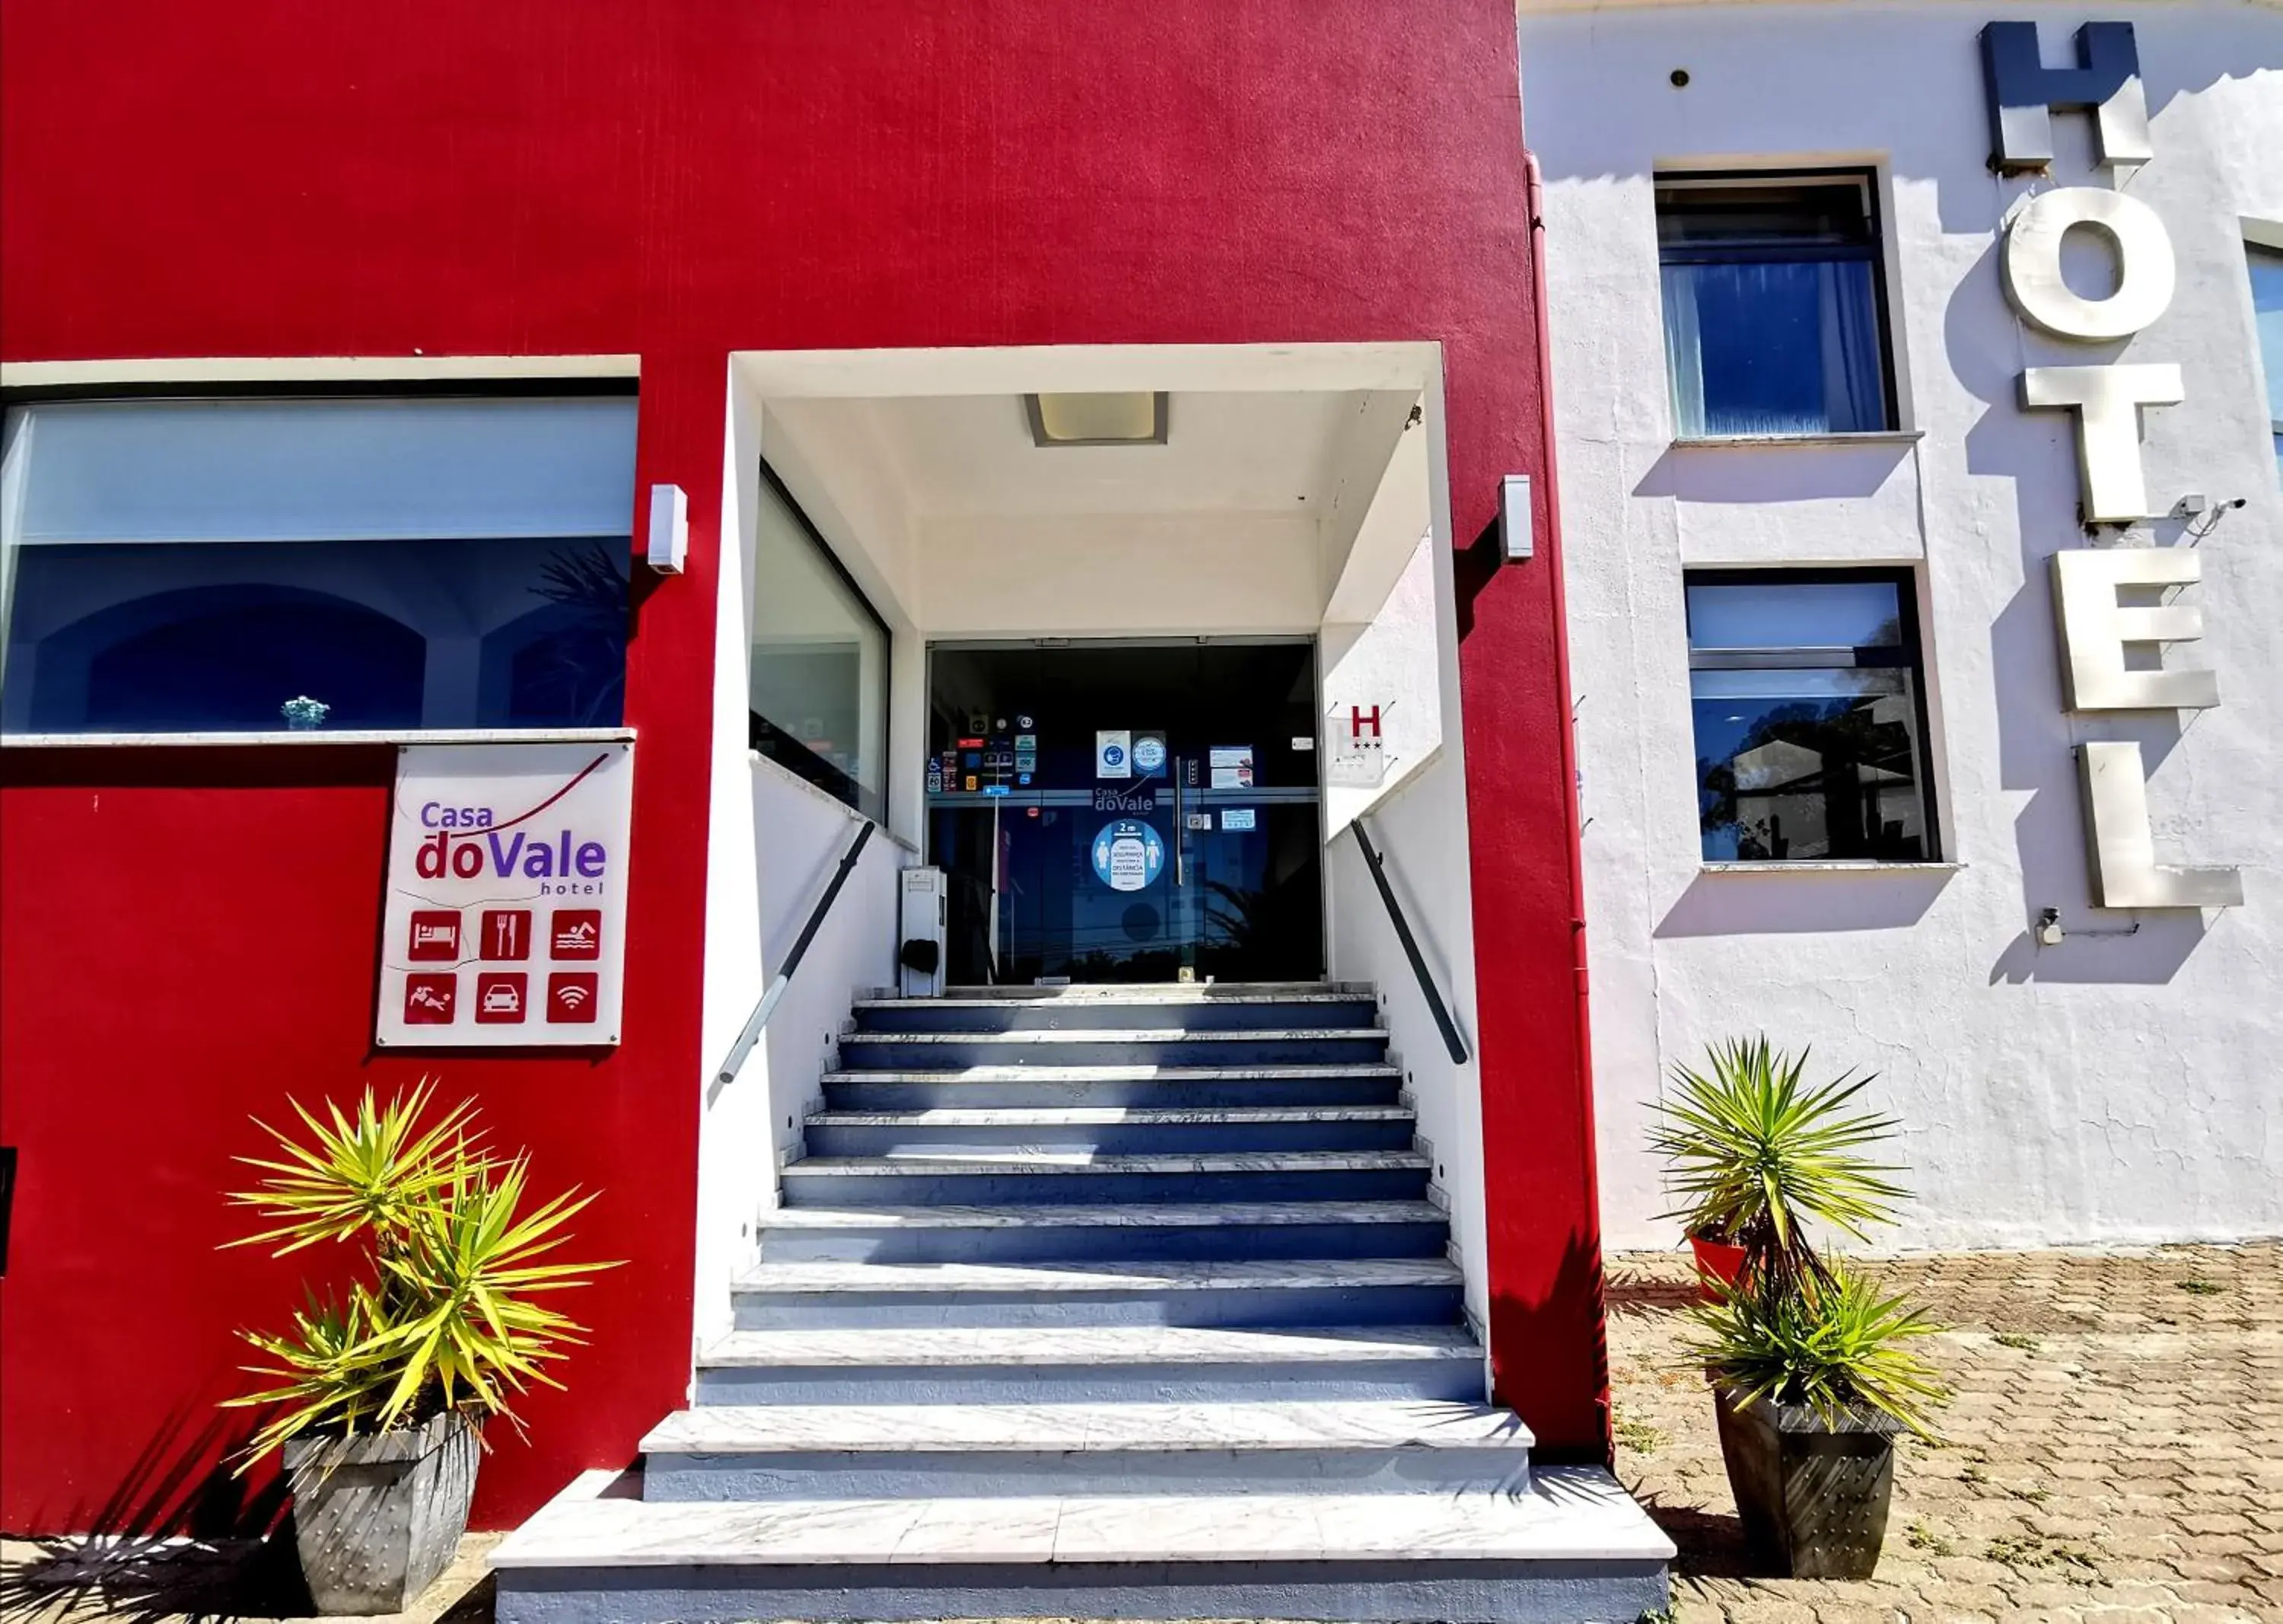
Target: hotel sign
pixel 505 924
pixel 2090 585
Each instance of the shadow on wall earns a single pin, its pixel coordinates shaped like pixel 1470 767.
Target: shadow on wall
pixel 1533 1342
pixel 2037 734
pixel 1741 902
pixel 1758 475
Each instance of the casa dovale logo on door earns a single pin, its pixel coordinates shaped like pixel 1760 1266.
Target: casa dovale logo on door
pixel 507 874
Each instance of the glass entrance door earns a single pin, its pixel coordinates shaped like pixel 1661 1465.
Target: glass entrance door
pixel 1127 812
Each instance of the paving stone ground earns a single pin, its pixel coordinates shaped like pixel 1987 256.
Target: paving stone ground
pixel 2114 1456
pixel 2115 1452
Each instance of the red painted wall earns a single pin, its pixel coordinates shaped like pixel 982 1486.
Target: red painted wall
pixel 186 935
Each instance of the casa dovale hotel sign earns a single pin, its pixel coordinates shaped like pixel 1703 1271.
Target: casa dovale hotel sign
pixel 505 924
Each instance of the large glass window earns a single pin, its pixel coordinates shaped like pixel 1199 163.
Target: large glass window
pixel 1774 317
pixel 819 682
pixel 2267 300
pixel 1810 719
pixel 264 565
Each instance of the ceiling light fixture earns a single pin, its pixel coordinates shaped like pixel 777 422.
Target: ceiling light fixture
pixel 1128 418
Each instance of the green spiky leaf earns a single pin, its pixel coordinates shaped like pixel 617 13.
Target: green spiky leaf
pixel 1828 1341
pixel 448 1319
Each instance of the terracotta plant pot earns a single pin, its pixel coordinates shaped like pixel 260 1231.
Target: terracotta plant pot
pixel 1716 1260
pixel 377 1517
pixel 1813 1498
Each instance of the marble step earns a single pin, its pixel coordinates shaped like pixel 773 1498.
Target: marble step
pixel 1571 1546
pixel 1105 1363
pixel 1166 1229
pixel 916 1179
pixel 850 1452
pixel 1214 1292
pixel 1151 1087
pixel 1111 1128
pixel 1142 992
pixel 1202 1009
pixel 1315 1045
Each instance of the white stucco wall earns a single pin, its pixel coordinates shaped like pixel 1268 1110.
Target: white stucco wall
pixel 773 842
pixel 2111 1087
pixel 1405 662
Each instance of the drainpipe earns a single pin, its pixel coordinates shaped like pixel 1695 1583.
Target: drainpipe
pixel 1550 475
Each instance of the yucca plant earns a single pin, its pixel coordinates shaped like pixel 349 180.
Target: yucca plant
pixel 1755 1150
pixel 1833 1344
pixel 446 1320
pixel 1757 1154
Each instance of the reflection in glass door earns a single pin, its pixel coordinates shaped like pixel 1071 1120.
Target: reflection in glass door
pixel 1127 812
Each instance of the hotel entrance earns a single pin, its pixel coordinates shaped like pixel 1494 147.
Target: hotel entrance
pixel 1128 811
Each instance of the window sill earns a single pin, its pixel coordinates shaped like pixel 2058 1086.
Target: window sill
pixel 319 735
pixel 1881 437
pixel 1833 865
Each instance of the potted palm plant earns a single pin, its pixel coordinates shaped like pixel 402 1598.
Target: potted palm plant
pixel 1752 1149
pixel 1812 1370
pixel 378 1394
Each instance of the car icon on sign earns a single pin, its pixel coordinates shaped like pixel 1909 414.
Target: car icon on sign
pixel 502 1000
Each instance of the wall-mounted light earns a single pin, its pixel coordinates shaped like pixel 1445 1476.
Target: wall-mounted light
pixel 1514 517
pixel 668 546
pixel 1123 418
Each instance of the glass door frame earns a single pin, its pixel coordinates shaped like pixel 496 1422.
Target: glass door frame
pixel 1179 857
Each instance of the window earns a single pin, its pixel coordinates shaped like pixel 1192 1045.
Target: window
pixel 2267 300
pixel 819 681
pixel 256 565
pixel 1774 308
pixel 1810 719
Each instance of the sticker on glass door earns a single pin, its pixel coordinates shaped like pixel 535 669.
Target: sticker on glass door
pixel 1128 855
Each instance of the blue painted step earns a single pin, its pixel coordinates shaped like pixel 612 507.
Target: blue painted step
pixel 1050 1009
pixel 1016 1176
pixel 1112 1129
pixel 1033 1233
pixel 853 1452
pixel 1160 1046
pixel 1161 1087
pixel 1274 1293
pixel 1570 1547
pixel 1092 1364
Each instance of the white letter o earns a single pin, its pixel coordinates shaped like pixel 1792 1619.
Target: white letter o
pixel 2031 260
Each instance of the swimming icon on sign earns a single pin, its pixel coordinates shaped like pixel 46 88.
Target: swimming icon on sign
pixel 576 932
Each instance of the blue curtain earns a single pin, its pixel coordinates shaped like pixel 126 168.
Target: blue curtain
pixel 1773 347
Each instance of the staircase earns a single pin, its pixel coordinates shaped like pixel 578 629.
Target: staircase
pixel 1099 1302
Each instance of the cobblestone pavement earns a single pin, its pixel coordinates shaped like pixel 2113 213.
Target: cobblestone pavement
pixel 2115 1452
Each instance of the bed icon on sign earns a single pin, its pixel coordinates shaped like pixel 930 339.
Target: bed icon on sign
pixel 435 937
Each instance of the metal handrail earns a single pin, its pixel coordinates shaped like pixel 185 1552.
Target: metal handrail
pixel 751 1034
pixel 1452 1043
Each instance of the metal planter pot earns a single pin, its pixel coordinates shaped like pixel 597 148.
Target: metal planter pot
pixel 1812 1496
pixel 377 1517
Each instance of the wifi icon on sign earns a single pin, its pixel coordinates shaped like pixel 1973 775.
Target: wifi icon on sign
pixel 571 997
